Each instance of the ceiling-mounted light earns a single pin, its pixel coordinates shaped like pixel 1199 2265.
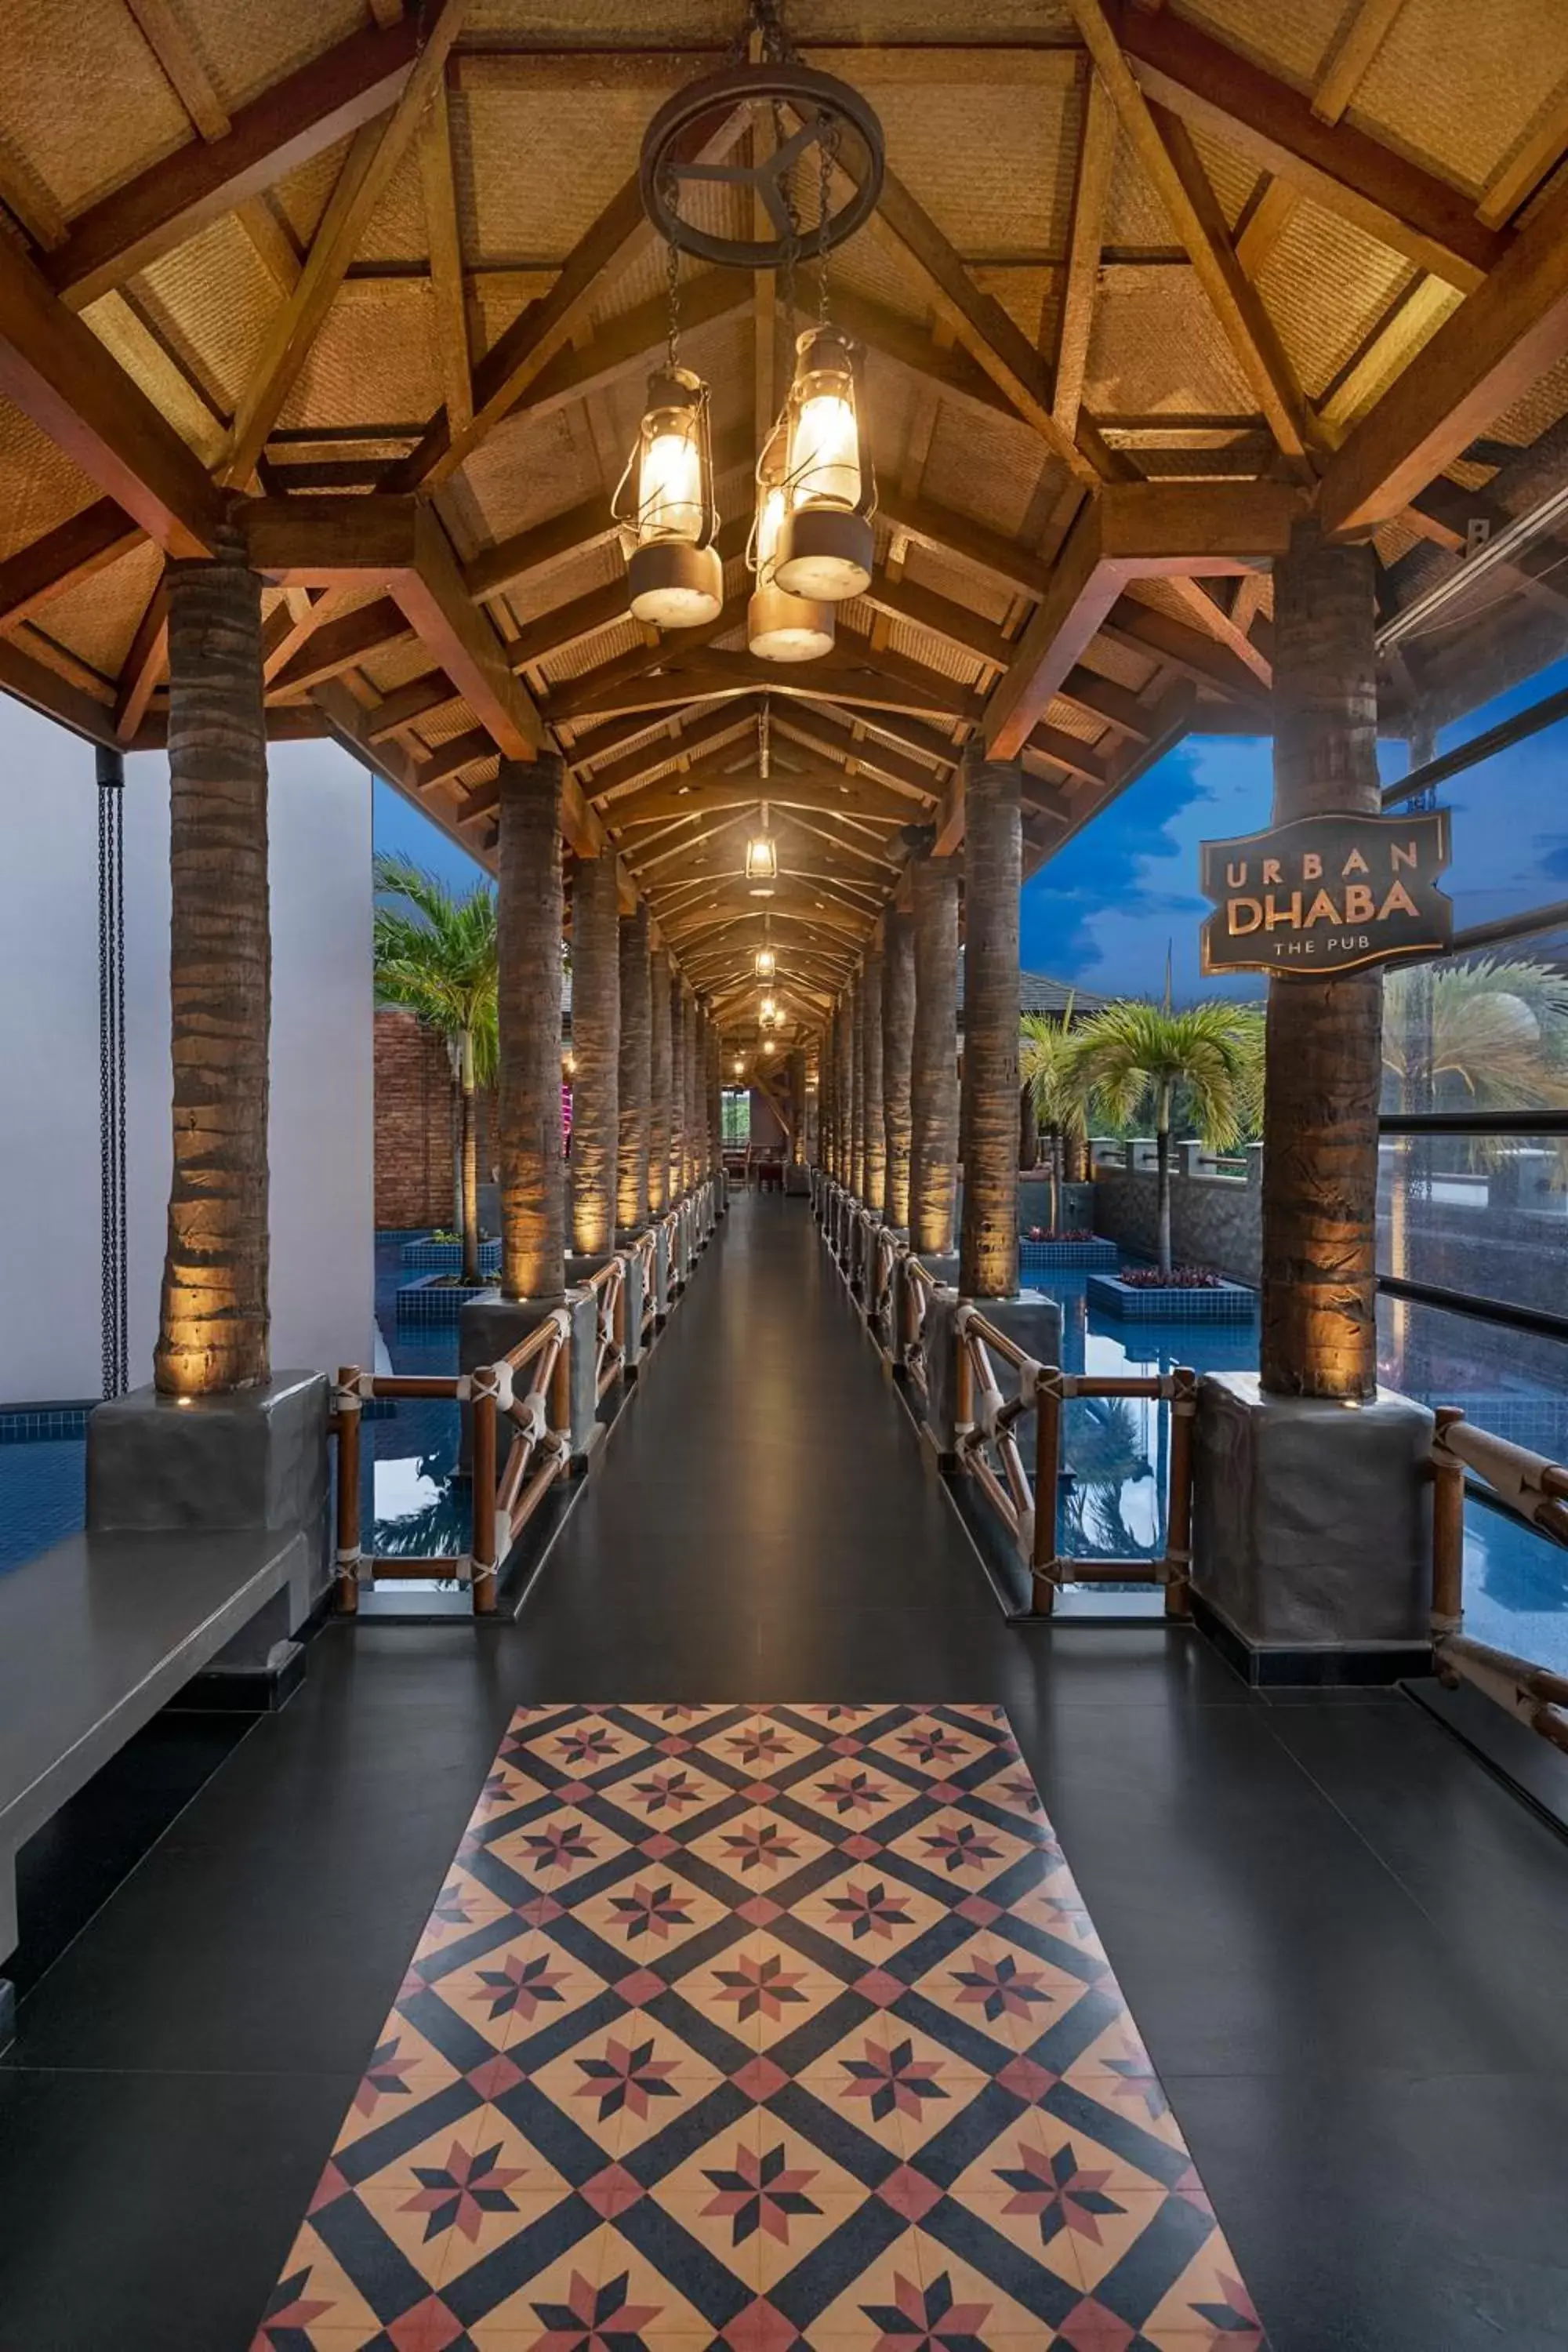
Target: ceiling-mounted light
pixel 780 627
pixel 767 963
pixel 767 1012
pixel 767 1045
pixel 825 545
pixel 664 504
pixel 739 1065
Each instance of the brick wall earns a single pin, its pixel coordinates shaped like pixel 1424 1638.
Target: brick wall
pixel 414 1130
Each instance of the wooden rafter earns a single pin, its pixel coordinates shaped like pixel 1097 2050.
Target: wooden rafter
pixel 1096 161
pixel 56 370
pixel 296 118
pixel 373 156
pixel 1391 199
pixel 71 553
pixel 1500 341
pixel 448 302
pixel 1130 533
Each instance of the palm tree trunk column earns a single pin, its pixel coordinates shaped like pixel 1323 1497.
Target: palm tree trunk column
pixel 797 1107
pixel 993 877
pixel 857 1089
pixel 596 1046
pixel 934 1060
pixel 829 1114
pixel 876 1133
pixel 898 1042
pixel 845 1089
pixel 713 1073
pixel 677 1087
pixel 532 1187
pixel 658 1195
pixel 213 1314
pixel 635 1073
pixel 1324 1071
pixel 695 1094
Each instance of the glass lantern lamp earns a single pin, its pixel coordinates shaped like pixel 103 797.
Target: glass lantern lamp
pixel 762 858
pixel 767 963
pixel 664 505
pixel 767 1012
pixel 780 627
pixel 825 546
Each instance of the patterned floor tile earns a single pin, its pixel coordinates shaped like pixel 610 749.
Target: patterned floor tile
pixel 759 2029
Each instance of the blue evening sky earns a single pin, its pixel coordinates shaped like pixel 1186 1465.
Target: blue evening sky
pixel 1104 911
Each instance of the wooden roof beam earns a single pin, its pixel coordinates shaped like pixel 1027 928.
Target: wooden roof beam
pixel 373 157
pixel 56 370
pixel 462 639
pixel 986 330
pixel 299 117
pixel 1391 199
pixel 71 553
pixel 521 355
pixel 1500 341
pixel 1145 530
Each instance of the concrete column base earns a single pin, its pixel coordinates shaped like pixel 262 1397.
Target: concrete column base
pixel 254 1458
pixel 1312 1557
pixel 490 1329
pixel 1029 1318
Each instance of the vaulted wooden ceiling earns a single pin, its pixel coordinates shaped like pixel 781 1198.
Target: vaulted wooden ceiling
pixel 1145 282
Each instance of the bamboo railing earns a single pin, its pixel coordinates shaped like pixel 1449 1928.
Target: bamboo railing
pixel 610 1290
pixel 985 1426
pixel 1533 1490
pixel 530 1389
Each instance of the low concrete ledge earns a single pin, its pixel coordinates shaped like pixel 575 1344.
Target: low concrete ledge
pixel 96 1635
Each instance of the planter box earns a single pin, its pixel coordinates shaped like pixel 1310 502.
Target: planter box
pixel 447 1258
pixel 1227 1302
pixel 432 1300
pixel 1039 1257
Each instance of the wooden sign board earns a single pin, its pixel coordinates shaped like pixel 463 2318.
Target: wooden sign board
pixel 1326 894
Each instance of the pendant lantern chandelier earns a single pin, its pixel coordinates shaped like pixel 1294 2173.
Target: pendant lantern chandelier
pixel 767 963
pixel 767 1012
pixel 812 544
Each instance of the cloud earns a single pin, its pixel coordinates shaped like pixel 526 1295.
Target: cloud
pixel 1103 911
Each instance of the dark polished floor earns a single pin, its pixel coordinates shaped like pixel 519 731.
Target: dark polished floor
pixel 1344 1944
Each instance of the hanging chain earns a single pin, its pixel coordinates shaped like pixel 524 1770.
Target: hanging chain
pixel 111 1077
pixel 672 290
pixel 827 148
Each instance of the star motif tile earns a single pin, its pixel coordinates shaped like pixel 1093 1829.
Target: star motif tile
pixel 759 2029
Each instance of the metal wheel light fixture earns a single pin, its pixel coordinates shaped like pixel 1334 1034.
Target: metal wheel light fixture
pixel 812 540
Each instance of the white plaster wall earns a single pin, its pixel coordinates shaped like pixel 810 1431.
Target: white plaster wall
pixel 321 1111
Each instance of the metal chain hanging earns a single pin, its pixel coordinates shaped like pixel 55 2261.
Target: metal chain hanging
pixel 111 1070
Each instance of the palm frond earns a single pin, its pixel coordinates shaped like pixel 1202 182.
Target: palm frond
pixel 1135 1053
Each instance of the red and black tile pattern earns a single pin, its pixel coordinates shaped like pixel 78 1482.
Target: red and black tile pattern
pixel 743 2029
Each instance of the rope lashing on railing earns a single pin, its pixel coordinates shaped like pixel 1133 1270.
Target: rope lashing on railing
pixel 1534 1490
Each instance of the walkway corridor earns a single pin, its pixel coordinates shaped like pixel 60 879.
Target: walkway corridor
pixel 1340 1941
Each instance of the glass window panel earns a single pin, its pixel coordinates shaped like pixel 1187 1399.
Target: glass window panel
pixel 1504 1380
pixel 1487 1031
pixel 1484 1215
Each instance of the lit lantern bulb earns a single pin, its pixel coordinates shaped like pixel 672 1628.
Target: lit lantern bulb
pixel 767 1045
pixel 826 453
pixel 767 963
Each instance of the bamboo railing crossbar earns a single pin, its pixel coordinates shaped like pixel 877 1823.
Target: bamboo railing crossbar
pixel 1533 1490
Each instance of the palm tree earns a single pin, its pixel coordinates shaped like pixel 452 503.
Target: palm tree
pixel 988 1116
pixel 435 956
pixel 1044 1053
pixel 1133 1057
